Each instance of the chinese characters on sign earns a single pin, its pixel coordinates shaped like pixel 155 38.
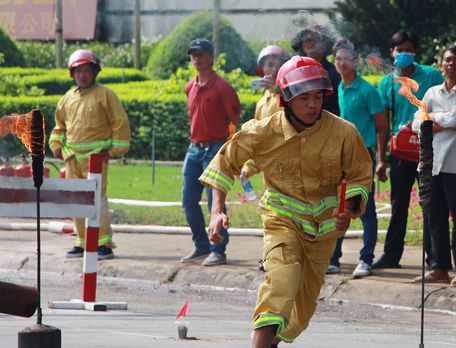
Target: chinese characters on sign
pixel 34 19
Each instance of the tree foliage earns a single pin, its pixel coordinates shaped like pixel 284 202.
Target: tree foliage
pixel 373 23
pixel 9 53
pixel 112 55
pixel 171 53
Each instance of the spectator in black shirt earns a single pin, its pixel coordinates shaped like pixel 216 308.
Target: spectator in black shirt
pixel 316 42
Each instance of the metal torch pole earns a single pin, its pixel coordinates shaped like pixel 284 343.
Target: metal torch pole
pixel 39 318
pixel 425 174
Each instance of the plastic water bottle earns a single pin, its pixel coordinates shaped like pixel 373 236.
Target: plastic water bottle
pixel 248 190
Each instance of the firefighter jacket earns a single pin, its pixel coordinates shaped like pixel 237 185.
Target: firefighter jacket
pixel 302 171
pixel 89 121
pixel 267 106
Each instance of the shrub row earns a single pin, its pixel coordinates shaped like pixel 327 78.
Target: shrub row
pixel 167 115
pixel 58 81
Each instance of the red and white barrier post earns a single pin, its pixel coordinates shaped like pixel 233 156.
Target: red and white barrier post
pixel 90 266
pixel 89 280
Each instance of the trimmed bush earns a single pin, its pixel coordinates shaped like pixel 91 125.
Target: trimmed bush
pixel 58 81
pixel 10 55
pixel 171 53
pixel 166 114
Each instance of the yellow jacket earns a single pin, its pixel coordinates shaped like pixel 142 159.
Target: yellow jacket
pixel 267 106
pixel 302 171
pixel 89 121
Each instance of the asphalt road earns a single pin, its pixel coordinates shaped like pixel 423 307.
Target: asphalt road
pixel 218 318
pixel 379 311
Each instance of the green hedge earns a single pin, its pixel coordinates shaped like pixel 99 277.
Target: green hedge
pixel 58 81
pixel 167 115
pixel 150 104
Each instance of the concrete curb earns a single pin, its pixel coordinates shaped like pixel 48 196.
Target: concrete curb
pixel 67 227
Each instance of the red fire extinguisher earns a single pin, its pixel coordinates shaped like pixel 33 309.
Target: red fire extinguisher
pixel 23 170
pixel 62 173
pixel 6 170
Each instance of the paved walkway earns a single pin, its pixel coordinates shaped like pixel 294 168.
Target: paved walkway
pixel 155 256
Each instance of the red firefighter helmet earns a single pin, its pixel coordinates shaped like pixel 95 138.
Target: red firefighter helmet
pixel 299 75
pixel 81 57
pixel 267 51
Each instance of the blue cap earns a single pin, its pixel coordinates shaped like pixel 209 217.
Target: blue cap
pixel 201 45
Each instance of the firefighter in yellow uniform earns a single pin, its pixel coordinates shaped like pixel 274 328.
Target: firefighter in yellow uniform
pixel 305 153
pixel 89 119
pixel 269 61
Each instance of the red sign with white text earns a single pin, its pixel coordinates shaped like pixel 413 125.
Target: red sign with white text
pixel 35 19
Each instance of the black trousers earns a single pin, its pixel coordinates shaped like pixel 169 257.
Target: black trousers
pixel 402 175
pixel 443 201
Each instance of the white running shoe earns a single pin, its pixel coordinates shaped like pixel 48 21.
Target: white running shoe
pixel 362 270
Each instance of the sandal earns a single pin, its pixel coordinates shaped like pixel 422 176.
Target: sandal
pixel 430 278
pixel 453 283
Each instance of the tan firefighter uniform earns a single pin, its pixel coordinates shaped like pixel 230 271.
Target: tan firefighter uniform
pixel 267 106
pixel 90 121
pixel 302 173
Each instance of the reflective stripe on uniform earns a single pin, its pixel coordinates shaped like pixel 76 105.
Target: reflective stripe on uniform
pixel 89 146
pixel 218 179
pixel 353 191
pixel 266 319
pixel 306 225
pixel 102 240
pixel 120 143
pixel 70 149
pixel 292 208
pixel 57 137
pixel 285 339
pixel 299 207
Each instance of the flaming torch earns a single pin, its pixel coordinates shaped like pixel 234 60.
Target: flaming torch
pixel 29 128
pixel 425 170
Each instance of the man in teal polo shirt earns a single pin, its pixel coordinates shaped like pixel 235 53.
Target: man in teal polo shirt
pixel 360 103
pixel 404 46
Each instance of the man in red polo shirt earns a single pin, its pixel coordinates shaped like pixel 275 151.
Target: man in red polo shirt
pixel 212 104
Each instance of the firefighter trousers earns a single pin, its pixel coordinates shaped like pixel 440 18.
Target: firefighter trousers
pixel 78 169
pixel 295 266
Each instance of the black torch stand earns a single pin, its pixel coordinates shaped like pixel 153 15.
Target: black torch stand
pixel 38 335
pixel 425 174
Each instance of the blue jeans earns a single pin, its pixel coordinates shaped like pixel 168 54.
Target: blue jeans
pixel 370 227
pixel 196 160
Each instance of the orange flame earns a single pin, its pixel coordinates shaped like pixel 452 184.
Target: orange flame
pixel 408 87
pixel 20 124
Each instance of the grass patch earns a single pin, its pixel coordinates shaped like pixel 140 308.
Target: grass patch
pixel 134 181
